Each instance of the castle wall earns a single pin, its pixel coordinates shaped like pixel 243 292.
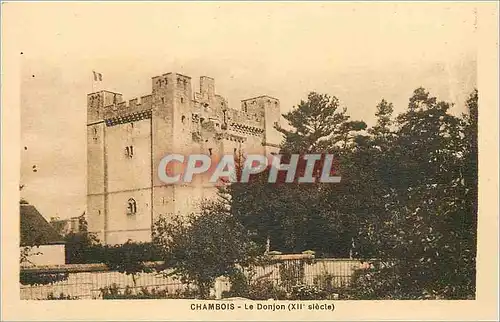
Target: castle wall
pixel 95 215
pixel 129 177
pixel 123 226
pixel 96 177
pixel 172 119
pixel 95 158
pixel 129 169
pixel 172 96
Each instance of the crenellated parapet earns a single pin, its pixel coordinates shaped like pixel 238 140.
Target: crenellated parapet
pixel 246 129
pixel 125 108
pixel 127 118
pixel 202 111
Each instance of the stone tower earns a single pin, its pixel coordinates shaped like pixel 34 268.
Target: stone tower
pixel 127 140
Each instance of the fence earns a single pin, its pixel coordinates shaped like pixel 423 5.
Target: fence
pixel 309 271
pixel 86 281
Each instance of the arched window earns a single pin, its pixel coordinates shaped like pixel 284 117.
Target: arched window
pixel 131 207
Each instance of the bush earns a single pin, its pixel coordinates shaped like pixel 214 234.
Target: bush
pixel 201 248
pixel 307 292
pixel 240 285
pixel 291 273
pixel 82 253
pixel 113 292
pixel 375 284
pixel 61 296
pixel 255 289
pixel 265 289
pixel 31 278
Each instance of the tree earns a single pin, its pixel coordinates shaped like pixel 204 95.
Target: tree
pixel 381 131
pixel 130 258
pixel 426 231
pixel 202 247
pixel 80 244
pixel 318 125
pixel 298 217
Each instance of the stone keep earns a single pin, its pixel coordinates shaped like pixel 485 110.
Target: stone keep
pixel 127 140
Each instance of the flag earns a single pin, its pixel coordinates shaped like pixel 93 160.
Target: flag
pixel 97 76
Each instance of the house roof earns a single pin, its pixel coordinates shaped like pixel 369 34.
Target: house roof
pixel 35 229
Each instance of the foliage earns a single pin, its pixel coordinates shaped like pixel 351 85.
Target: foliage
pixel 291 273
pixel 245 284
pixel 307 292
pixel 31 278
pixel 240 285
pixel 316 124
pixel 34 278
pixel 264 289
pixel 408 195
pixel 325 281
pixel 80 245
pixel 116 255
pixel 130 258
pixel 61 296
pixel 113 292
pixel 375 284
pixel 26 252
pixel 425 222
pixel 298 217
pixel 200 248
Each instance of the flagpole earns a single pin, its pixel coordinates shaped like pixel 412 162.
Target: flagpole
pixel 93 77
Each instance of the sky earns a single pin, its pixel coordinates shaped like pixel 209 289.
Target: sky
pixel 359 53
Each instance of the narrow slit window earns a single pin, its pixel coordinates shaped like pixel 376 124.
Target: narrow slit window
pixel 129 151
